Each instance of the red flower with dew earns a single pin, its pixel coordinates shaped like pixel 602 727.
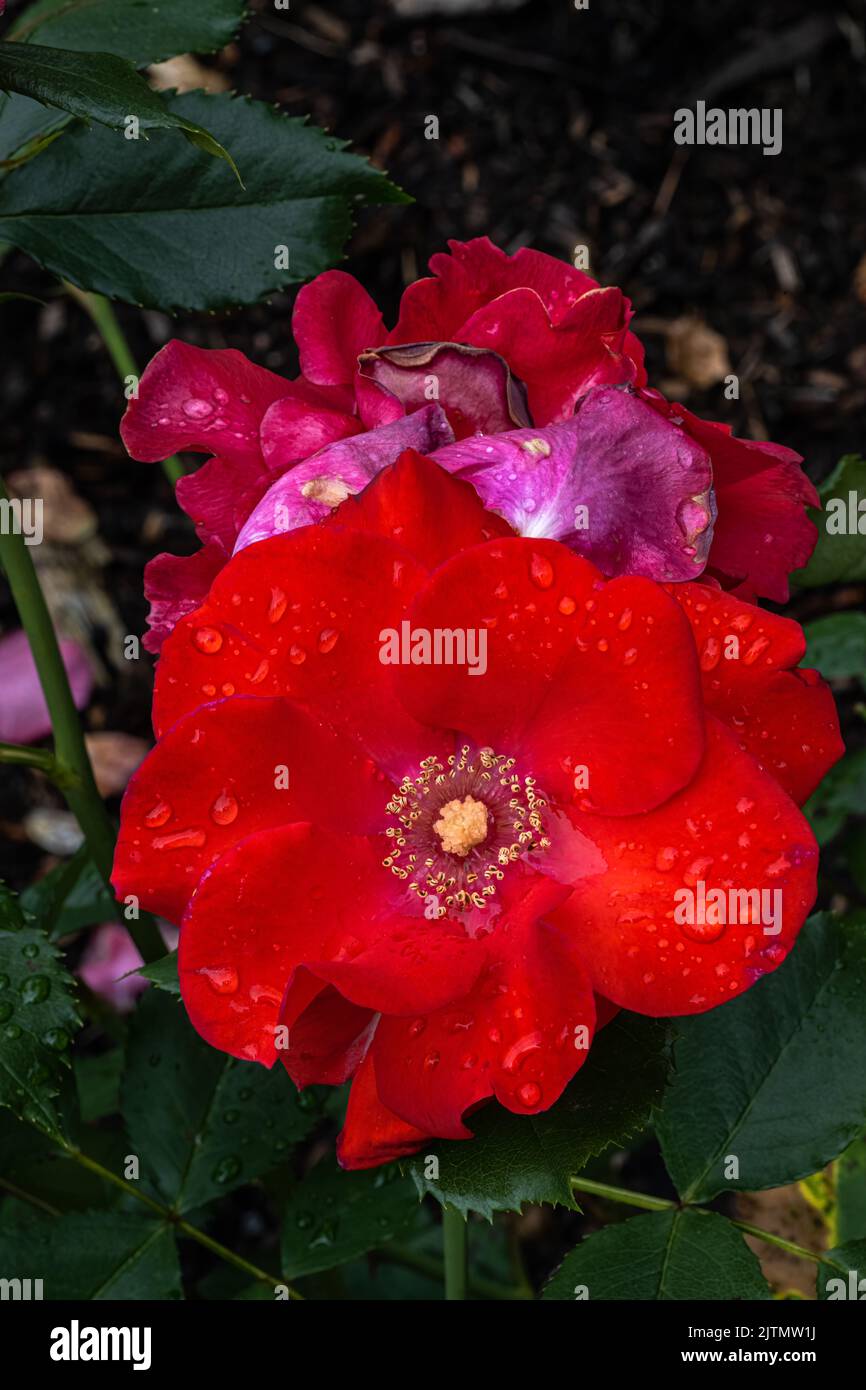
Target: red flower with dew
pixel 518 373
pixel 433 878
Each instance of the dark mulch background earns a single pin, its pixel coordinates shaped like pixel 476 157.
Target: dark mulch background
pixel 555 130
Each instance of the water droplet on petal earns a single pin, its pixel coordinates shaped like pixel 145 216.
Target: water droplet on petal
pixel 328 639
pixel 223 979
pixel 277 606
pixel 197 409
pixel 157 815
pixel 208 640
pixel 297 655
pixel 540 571
pixel 180 839
pixel 224 809
pixel 530 1094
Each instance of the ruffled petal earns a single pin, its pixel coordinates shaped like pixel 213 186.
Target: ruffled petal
pixel 175 585
pixel 763 531
pixel 786 718
pixel 617 484
pixel 333 321
pixel 328 1037
pixel 731 829
pixel 206 400
pixel 311 490
pixel 223 773
pixel 558 364
pixel 474 387
pixel 292 429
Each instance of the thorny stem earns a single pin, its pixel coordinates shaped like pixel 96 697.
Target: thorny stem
pixel 70 765
pixel 105 320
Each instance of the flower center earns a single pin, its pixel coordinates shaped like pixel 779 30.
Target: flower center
pixel 462 825
pixel 459 824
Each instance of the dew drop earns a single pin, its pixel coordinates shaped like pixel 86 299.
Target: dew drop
pixel 181 839
pixel 702 932
pixel 35 989
pixel 566 605
pixel 297 655
pixel 207 639
pixel 431 1060
pixel 328 638
pixel 157 815
pixel 224 809
pixel 197 409
pixel 226 1170
pixel 223 979
pixel 666 858
pixel 530 1094
pixel 540 571
pixel 277 606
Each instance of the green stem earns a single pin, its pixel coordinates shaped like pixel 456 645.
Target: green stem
pixel 779 1241
pixel 621 1194
pixel 71 764
pixel 18 755
pixel 106 322
pixel 642 1199
pixel 432 1268
pixel 184 1227
pixel 454 1241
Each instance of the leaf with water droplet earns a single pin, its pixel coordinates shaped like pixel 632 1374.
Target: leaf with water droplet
pixel 333 1217
pixel 38 1017
pixel 202 1122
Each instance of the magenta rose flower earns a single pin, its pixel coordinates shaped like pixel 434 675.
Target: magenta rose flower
pixel 516 373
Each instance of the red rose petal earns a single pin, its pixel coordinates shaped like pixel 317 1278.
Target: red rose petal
pixel 786 718
pixel 732 827
pixel 216 777
pixel 300 616
pixel 299 896
pixel 372 1135
pixel 202 399
pixel 521 1034
pixel 581 674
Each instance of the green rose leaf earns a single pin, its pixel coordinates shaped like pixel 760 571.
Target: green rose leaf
pixel 837 646
pixel 163 974
pixel 770 1087
pixel 143 33
pixel 840 554
pixel 332 1217
pixel 37 1019
pixel 98 87
pixel 680 1255
pixel 515 1159
pixel 151 223
pixel 842 1275
pixel 841 794
pixel 202 1123
pixel 91 1255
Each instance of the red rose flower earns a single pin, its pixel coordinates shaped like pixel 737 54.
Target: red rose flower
pixel 505 369
pixel 431 878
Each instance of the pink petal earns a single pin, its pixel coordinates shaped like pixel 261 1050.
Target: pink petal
pixel 175 585
pixel 24 716
pixel 646 490
pixel 310 490
pixel 474 387
pixel 208 401
pixel 334 320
